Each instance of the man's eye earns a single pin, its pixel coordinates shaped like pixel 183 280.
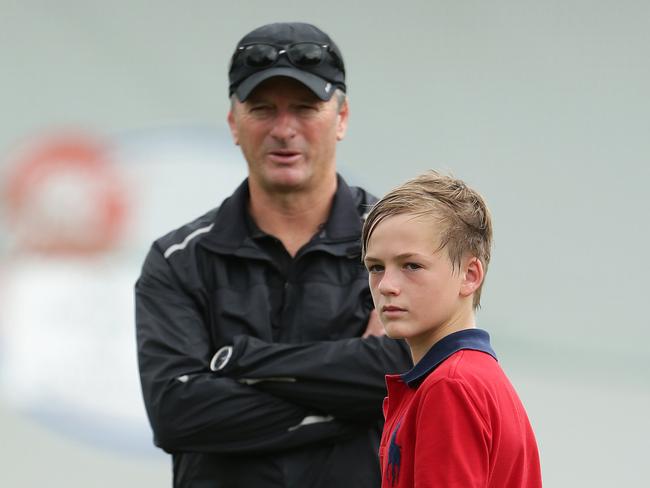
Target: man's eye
pixel 260 108
pixel 308 107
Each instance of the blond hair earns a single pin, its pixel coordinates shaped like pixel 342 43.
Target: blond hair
pixel 466 223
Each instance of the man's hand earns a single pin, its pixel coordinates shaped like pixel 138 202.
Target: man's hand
pixel 374 327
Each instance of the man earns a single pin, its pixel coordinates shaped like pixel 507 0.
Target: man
pixel 261 360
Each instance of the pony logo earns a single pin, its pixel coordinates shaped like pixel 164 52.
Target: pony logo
pixel 394 458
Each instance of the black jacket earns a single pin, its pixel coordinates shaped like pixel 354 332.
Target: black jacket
pixel 315 418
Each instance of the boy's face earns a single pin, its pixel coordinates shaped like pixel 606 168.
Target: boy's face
pixel 417 292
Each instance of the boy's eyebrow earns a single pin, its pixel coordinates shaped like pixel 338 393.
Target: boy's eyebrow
pixel 404 255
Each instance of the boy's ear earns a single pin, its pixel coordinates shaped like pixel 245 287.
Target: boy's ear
pixel 473 274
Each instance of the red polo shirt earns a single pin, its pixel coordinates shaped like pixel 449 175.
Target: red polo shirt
pixel 455 420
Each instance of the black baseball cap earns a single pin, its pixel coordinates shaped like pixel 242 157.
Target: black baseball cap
pixel 294 49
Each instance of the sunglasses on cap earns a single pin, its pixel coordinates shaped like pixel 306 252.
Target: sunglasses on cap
pixel 300 54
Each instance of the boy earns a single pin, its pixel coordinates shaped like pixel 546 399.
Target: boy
pixel 454 420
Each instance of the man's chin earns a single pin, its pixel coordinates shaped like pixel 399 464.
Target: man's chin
pixel 286 186
pixel 287 181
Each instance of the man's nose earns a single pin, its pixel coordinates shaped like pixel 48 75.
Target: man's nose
pixel 284 125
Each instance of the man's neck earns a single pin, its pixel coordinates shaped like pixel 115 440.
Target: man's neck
pixel 292 217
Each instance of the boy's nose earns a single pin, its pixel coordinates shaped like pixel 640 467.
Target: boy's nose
pixel 388 285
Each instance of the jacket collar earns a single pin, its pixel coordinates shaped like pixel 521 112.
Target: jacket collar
pixel 474 339
pixel 344 221
pixel 230 233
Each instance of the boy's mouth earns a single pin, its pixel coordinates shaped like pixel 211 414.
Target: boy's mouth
pixel 392 308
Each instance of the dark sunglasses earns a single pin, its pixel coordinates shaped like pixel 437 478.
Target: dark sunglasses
pixel 300 54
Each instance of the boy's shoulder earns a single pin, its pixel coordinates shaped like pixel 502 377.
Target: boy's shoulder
pixel 466 367
pixel 466 376
pixel 470 377
pixel 461 354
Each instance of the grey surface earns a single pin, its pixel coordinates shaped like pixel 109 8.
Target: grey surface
pixel 36 456
pixel 543 106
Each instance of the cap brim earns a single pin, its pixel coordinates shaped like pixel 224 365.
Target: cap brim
pixel 323 89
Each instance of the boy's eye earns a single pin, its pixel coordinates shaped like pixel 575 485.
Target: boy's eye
pixel 412 266
pixel 374 268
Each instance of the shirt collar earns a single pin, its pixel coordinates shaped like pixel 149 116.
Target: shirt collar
pixel 474 339
pixel 233 222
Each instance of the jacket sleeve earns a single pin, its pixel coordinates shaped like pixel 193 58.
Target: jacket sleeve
pixel 189 407
pixel 343 378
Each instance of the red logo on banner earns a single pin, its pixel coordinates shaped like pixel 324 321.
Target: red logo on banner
pixel 63 196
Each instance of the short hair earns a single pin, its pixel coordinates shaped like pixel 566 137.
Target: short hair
pixel 339 94
pixel 341 97
pixel 466 223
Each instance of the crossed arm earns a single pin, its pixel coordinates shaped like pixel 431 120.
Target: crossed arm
pixel 241 408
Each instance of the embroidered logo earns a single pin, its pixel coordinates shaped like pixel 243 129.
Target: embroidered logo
pixel 394 458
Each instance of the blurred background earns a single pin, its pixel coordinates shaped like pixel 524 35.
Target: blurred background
pixel 113 132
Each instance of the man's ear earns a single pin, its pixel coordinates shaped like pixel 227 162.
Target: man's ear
pixel 342 120
pixel 473 275
pixel 233 126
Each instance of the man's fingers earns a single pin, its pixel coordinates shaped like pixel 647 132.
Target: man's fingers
pixel 374 327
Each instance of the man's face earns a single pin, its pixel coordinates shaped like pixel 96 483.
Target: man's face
pixel 417 292
pixel 288 135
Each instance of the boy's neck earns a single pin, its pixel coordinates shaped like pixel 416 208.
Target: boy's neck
pixel 420 345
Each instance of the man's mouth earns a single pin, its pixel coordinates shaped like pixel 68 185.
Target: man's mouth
pixel 284 156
